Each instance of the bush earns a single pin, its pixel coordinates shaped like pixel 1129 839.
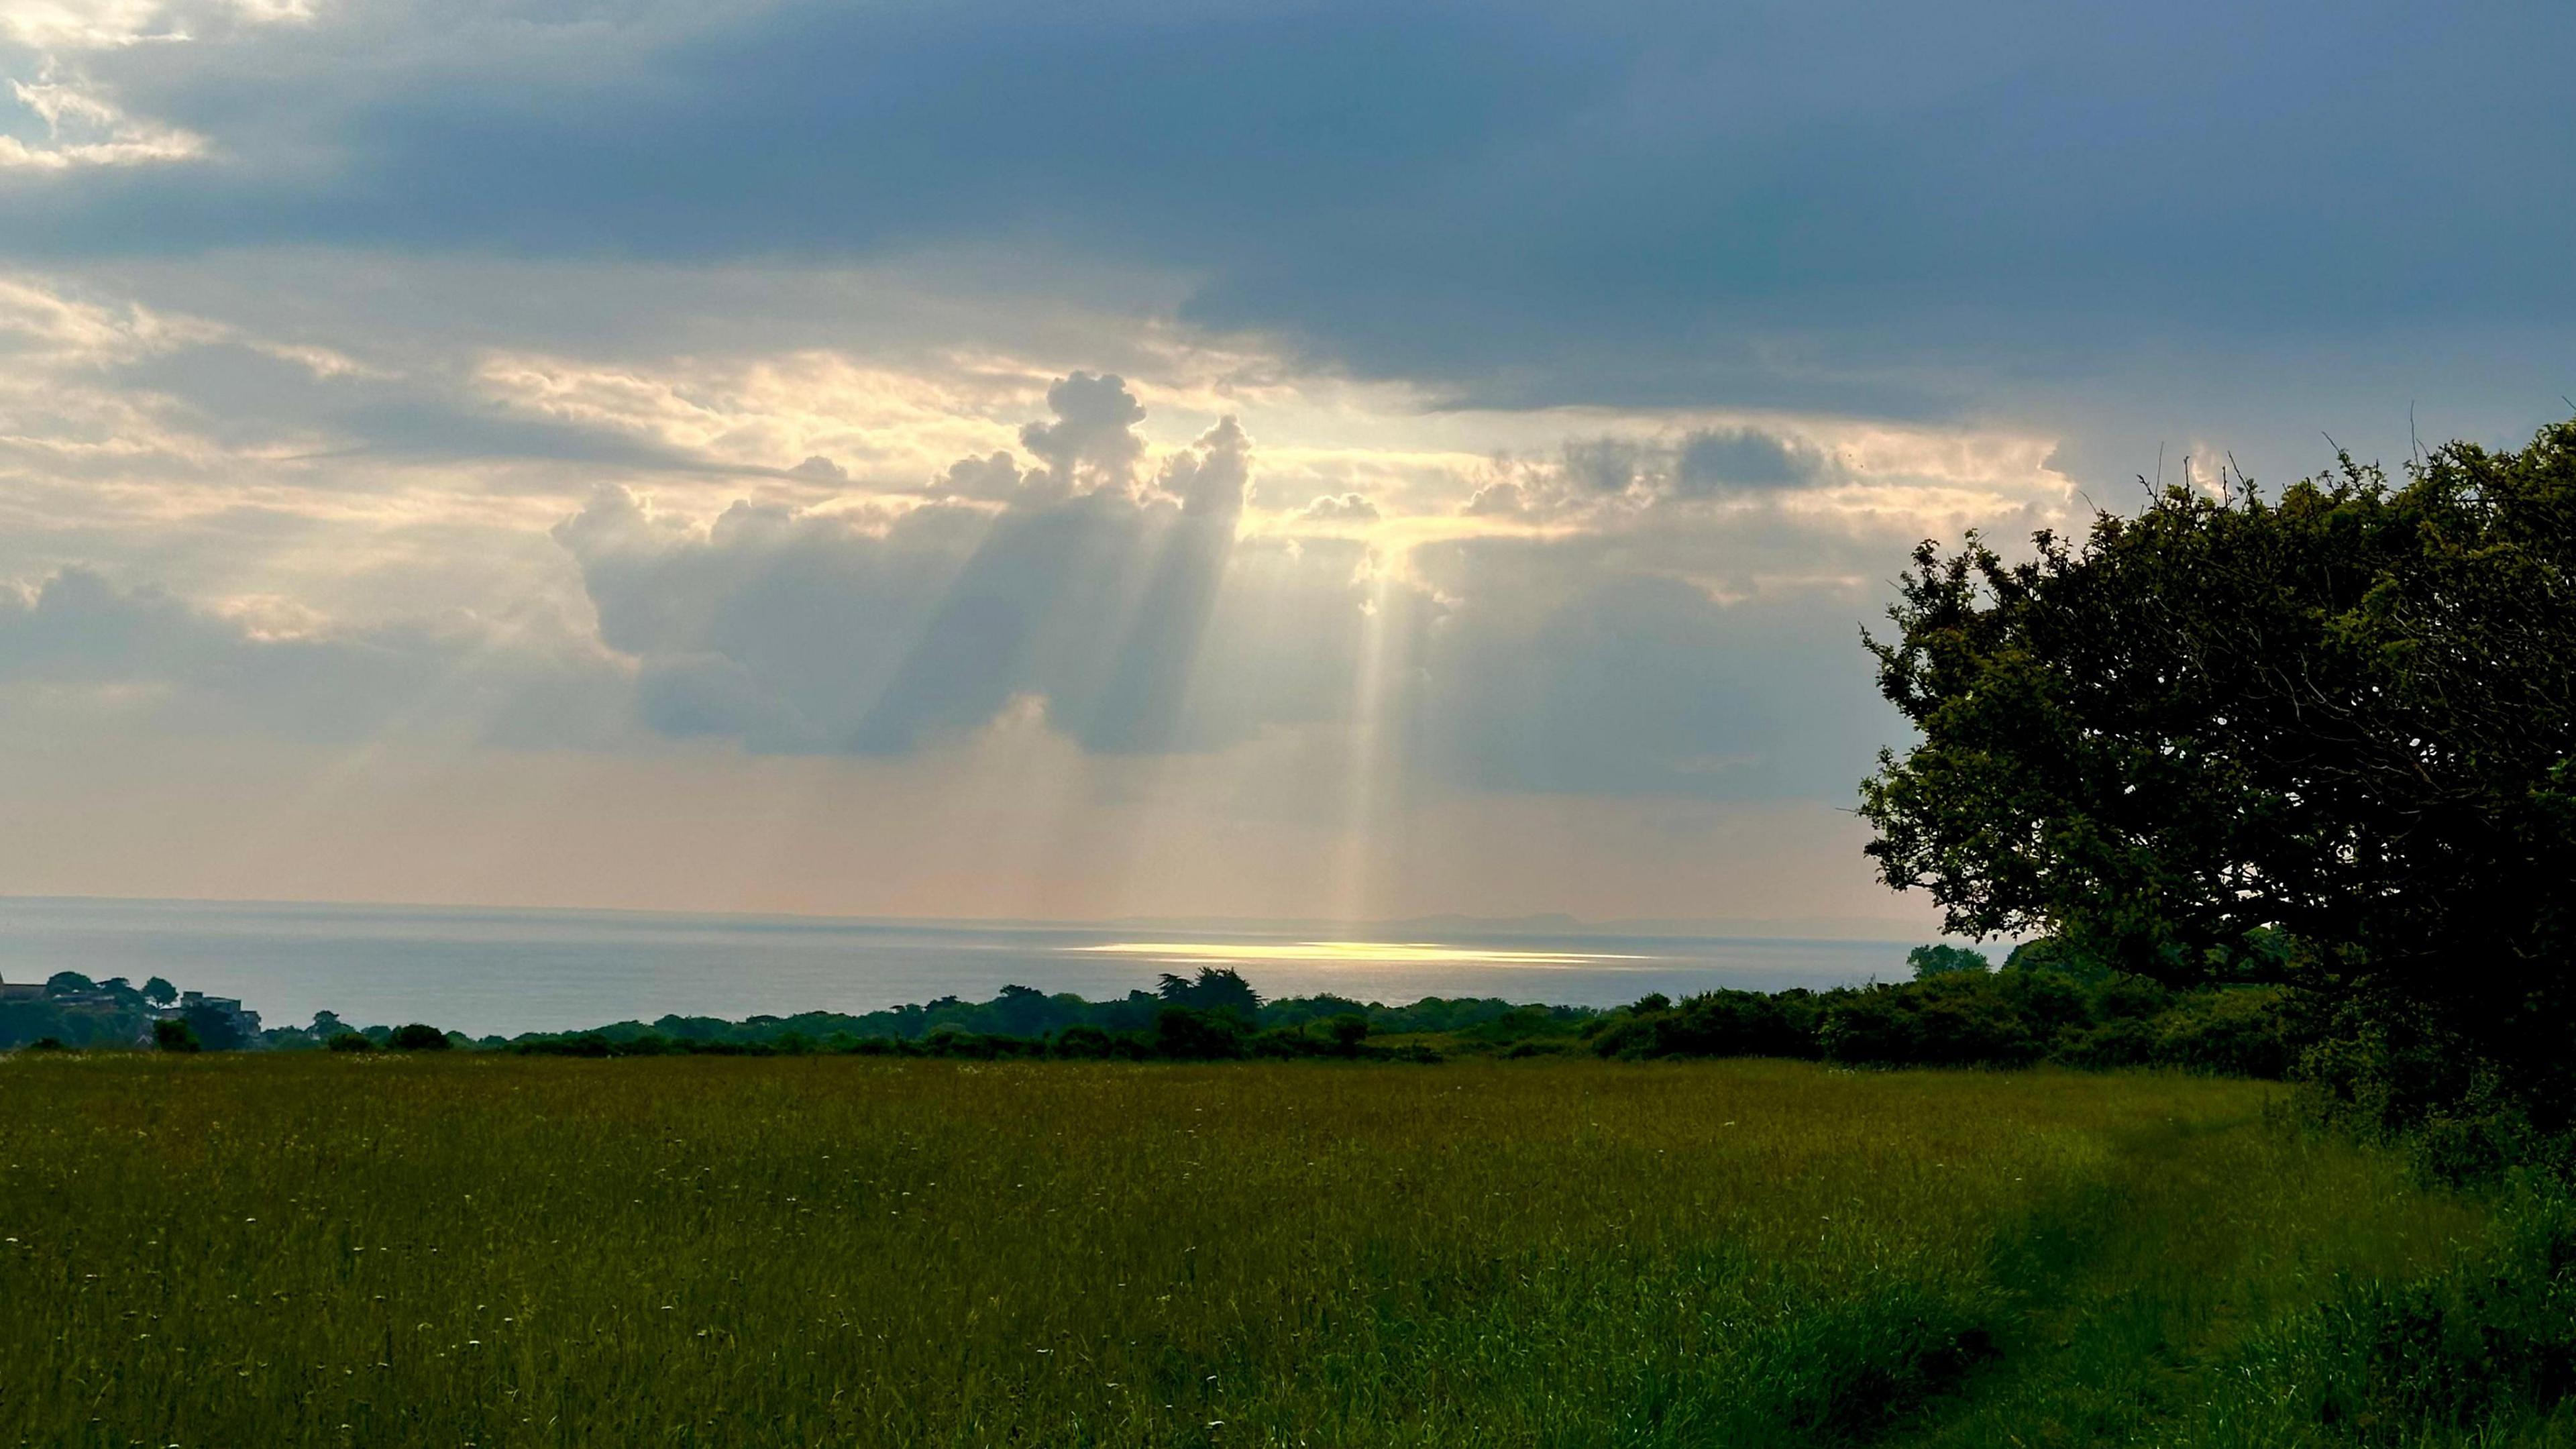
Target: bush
pixel 350 1041
pixel 1950 1021
pixel 2122 1041
pixel 2485 1346
pixel 1717 1024
pixel 1187 1034
pixel 174 1036
pixel 418 1037
pixel 2241 1033
pixel 1080 1043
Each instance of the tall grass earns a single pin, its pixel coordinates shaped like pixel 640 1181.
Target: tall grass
pixel 491 1250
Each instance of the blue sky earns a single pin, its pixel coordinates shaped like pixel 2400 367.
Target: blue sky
pixel 1307 459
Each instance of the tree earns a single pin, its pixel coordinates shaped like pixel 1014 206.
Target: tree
pixel 419 1037
pixel 160 992
pixel 171 1035
pixel 1941 960
pixel 64 983
pixel 2052 957
pixel 214 1027
pixel 2324 740
pixel 1216 989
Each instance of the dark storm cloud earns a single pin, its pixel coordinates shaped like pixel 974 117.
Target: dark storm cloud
pixel 1797 204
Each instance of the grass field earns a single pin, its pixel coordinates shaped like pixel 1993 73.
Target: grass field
pixel 492 1250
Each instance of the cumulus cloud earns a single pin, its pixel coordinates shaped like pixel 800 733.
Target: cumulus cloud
pixel 994 475
pixel 1602 466
pixel 1092 442
pixel 1602 476
pixel 1598 662
pixel 1343 508
pixel 1212 477
pixel 883 633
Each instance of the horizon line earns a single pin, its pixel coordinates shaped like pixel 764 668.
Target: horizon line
pixel 1532 923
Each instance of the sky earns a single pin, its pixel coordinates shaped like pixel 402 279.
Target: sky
pixel 1319 460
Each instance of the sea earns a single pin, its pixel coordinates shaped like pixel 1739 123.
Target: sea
pixel 491 971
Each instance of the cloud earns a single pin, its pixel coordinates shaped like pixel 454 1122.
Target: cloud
pixel 1341 508
pixel 1600 478
pixel 1654 651
pixel 886 632
pixel 1140 624
pixel 140 652
pixel 1813 206
pixel 995 475
pixel 1091 442
pixel 84 130
pixel 1501 498
pixel 1602 466
pixel 1734 459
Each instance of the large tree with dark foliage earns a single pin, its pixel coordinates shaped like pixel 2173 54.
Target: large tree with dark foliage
pixel 2324 739
pixel 1214 989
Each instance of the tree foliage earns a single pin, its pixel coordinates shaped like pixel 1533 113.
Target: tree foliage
pixel 2324 739
pixel 1214 989
pixel 1945 960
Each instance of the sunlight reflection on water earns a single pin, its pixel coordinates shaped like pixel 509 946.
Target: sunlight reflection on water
pixel 483 970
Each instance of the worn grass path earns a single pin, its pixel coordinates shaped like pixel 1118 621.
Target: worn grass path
pixel 2130 1302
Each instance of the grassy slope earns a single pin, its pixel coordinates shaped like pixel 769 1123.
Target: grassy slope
pixel 500 1250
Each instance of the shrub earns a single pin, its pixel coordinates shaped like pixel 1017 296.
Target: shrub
pixel 1718 1024
pixel 174 1036
pixel 1080 1043
pixel 2241 1033
pixel 2122 1041
pixel 1186 1034
pixel 2481 1345
pixel 350 1041
pixel 1954 1020
pixel 419 1037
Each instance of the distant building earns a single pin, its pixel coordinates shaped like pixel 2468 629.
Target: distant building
pixel 21 991
pixel 218 1021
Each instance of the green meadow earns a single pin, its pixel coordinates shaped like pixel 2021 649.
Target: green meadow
pixel 493 1250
